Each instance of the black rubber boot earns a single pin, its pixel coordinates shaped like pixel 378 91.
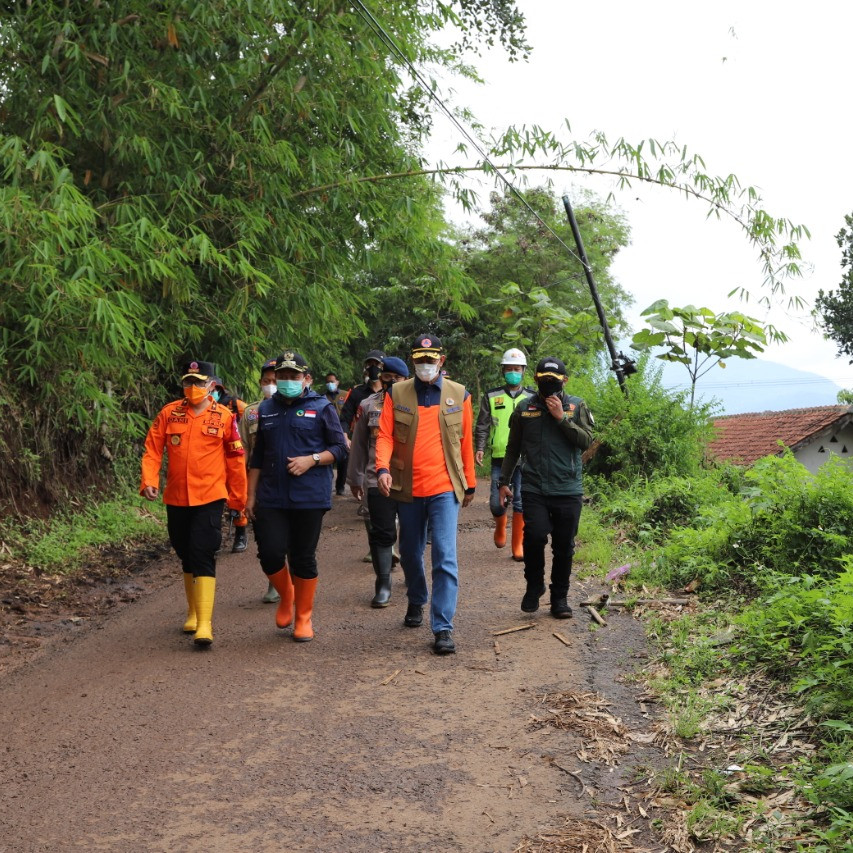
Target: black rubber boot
pixel 241 539
pixel 530 601
pixel 559 606
pixel 382 567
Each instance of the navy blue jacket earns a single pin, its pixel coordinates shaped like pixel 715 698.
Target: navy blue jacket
pixel 309 424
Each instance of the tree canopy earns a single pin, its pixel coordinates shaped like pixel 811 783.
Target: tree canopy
pixel 154 160
pixel 835 307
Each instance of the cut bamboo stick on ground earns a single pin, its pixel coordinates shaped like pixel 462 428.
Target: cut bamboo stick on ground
pixel 596 615
pixel 561 638
pixel 391 677
pixel 513 630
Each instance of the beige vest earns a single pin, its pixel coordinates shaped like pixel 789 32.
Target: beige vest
pixel 405 401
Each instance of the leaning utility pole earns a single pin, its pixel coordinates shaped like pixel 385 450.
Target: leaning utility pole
pixel 620 364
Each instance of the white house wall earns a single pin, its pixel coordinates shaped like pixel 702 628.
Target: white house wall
pixel 812 457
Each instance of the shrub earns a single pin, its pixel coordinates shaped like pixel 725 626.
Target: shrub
pixel 650 432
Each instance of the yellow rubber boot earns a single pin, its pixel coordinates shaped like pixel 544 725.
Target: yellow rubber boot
pixel 303 630
pixel 284 587
pixel 205 592
pixel 500 531
pixel 190 624
pixel 517 537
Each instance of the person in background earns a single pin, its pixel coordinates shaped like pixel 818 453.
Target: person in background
pixel 206 471
pixel 237 407
pixel 332 392
pixel 248 430
pixel 548 432
pixel 425 460
pixel 381 520
pixel 493 429
pixel 370 385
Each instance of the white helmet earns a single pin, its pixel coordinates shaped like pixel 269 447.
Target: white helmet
pixel 514 357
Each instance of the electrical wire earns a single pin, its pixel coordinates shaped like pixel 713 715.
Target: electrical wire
pixel 389 42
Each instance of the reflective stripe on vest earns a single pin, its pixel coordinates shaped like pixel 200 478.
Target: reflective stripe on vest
pixel 501 406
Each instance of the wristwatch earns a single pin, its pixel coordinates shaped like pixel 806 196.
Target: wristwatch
pixel 316 458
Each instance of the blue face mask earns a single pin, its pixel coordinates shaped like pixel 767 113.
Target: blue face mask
pixel 513 377
pixel 289 387
pixel 331 387
pixel 216 395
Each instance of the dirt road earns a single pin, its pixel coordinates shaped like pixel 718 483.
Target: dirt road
pixel 128 737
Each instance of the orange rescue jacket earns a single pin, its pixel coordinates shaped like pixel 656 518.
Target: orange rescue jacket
pixel 206 461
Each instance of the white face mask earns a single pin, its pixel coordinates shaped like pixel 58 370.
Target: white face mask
pixel 269 390
pixel 426 372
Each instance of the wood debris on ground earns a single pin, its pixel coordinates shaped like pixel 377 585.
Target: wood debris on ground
pixel 604 736
pixel 513 630
pixel 579 836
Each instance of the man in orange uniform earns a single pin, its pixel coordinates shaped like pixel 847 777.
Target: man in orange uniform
pixel 206 468
pixel 425 460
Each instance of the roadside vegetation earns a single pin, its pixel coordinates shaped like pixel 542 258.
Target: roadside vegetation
pixel 756 673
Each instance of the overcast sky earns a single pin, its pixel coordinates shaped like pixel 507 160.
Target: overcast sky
pixel 757 88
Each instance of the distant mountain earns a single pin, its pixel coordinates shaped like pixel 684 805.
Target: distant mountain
pixel 756 386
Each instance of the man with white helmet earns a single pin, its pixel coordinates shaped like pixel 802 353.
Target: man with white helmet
pixel 492 428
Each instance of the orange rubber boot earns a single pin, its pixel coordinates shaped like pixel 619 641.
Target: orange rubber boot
pixel 517 537
pixel 303 630
pixel 284 587
pixel 500 531
pixel 192 623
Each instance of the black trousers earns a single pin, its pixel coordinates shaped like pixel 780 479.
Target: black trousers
pixel 557 517
pixel 382 526
pixel 195 533
pixel 290 534
pixel 341 477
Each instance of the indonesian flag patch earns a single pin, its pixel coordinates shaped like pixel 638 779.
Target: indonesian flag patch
pixel 310 413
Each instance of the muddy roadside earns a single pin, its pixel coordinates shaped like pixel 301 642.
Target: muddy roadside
pixel 360 740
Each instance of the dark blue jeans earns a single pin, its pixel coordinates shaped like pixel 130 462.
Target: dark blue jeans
pixel 442 512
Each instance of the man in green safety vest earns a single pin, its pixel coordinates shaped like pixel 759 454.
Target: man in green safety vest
pixel 493 420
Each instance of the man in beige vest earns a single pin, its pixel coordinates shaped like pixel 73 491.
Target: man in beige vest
pixel 425 460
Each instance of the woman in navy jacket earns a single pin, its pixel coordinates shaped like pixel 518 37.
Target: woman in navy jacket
pixel 299 438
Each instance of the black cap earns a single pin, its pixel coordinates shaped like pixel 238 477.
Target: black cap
pixel 426 345
pixel 375 355
pixel 551 366
pixel 198 369
pixel 291 361
pixel 269 364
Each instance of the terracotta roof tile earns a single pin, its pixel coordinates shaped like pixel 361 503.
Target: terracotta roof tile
pixel 743 439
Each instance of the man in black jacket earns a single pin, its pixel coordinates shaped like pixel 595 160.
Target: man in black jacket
pixel 549 431
pixel 372 383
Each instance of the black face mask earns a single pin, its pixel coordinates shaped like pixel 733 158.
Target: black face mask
pixel 547 387
pixel 373 372
pixel 387 385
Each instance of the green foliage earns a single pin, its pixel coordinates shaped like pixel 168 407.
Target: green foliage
pixel 514 286
pixel 803 634
pixel 647 433
pixel 784 520
pixel 651 510
pixel 155 163
pixel 68 540
pixel 834 308
pixel 700 339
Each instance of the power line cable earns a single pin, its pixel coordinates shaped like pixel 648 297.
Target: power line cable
pixel 388 40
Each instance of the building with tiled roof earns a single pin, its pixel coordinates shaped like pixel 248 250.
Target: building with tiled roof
pixel 813 435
